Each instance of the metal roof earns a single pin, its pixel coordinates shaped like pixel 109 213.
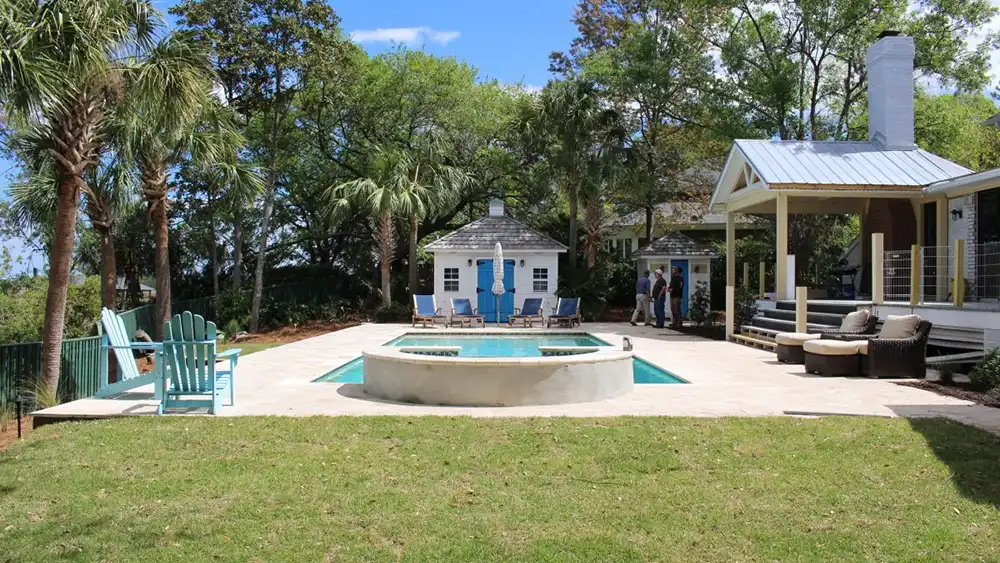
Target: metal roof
pixel 484 233
pixel 675 244
pixel 845 163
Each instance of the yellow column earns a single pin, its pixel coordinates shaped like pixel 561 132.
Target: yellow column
pixel 801 309
pixel 941 265
pixel 878 268
pixel 915 271
pixel 760 279
pixel 958 291
pixel 781 269
pixel 918 214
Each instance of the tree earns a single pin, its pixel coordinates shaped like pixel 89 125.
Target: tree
pixel 393 190
pixel 185 122
pixel 566 125
pixel 60 71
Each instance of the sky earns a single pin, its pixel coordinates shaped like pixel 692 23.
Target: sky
pixel 508 40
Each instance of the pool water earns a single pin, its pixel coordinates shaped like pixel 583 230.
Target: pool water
pixel 507 346
pixel 504 346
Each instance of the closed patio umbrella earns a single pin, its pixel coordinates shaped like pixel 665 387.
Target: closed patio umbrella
pixel 498 288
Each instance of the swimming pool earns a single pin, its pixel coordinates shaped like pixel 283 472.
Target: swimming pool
pixel 503 346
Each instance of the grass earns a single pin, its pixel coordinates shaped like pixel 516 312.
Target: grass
pixel 436 489
pixel 248 348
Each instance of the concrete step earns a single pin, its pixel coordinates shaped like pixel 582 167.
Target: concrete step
pixel 816 306
pixel 830 319
pixel 780 325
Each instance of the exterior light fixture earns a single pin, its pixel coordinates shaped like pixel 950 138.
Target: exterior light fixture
pixel 470 262
pixel 956 214
pixel 522 262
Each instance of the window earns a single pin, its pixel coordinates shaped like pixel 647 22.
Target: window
pixel 540 280
pixel 451 279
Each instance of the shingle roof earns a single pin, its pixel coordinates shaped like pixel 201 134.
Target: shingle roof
pixel 675 244
pixel 692 213
pixel 486 232
pixel 845 163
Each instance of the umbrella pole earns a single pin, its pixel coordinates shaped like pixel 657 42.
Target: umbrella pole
pixel 498 311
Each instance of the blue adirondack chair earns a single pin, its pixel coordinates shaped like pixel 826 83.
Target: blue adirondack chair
pixel 115 337
pixel 463 314
pixel 194 379
pixel 566 312
pixel 530 312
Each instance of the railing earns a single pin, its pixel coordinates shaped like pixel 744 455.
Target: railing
pixel 944 274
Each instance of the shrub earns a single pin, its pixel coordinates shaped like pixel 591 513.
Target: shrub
pixel 700 307
pixel 233 306
pixel 746 307
pixel 393 313
pixel 232 328
pixel 22 309
pixel 986 374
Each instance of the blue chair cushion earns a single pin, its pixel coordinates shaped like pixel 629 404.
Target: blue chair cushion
pixel 532 306
pixel 463 307
pixel 425 305
pixel 567 307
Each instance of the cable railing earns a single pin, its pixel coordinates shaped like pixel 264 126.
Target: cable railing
pixel 976 269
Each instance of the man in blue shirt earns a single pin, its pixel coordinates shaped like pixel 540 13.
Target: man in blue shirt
pixel 641 298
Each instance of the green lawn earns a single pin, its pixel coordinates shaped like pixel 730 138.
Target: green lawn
pixel 434 489
pixel 248 348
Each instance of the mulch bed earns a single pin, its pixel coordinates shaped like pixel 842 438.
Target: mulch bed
pixel 8 432
pixel 957 390
pixel 288 334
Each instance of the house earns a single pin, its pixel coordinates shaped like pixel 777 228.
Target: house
pixel 929 226
pixel 463 264
pixel 675 249
pixel 626 234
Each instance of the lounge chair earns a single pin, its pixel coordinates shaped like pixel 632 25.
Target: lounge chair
pixel 463 314
pixel 425 310
pixel 189 347
pixel 567 311
pixel 531 311
pixel 115 337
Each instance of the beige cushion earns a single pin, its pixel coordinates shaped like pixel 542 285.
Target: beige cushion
pixel 856 321
pixel 830 347
pixel 862 347
pixel 793 338
pixel 899 326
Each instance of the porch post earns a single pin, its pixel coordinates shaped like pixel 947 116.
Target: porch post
pixel 958 292
pixel 801 309
pixel 941 227
pixel 730 311
pixel 878 270
pixel 746 275
pixel 760 280
pixel 781 269
pixel 730 249
pixel 916 261
pixel 918 214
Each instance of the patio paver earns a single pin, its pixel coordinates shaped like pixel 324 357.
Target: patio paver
pixel 726 379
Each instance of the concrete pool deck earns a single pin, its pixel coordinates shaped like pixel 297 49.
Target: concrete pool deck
pixel 726 379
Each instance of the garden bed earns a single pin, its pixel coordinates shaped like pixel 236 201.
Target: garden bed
pixel 8 430
pixel 958 390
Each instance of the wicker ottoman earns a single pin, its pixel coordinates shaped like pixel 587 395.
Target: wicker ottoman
pixel 832 357
pixel 789 346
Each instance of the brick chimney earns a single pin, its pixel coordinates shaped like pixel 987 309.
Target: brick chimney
pixel 890 91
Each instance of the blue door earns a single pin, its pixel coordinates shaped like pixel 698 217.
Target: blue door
pixel 683 265
pixel 487 302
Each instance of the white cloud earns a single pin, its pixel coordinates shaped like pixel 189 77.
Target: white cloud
pixel 405 35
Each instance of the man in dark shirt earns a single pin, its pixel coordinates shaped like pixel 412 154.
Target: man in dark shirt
pixel 641 298
pixel 659 298
pixel 676 295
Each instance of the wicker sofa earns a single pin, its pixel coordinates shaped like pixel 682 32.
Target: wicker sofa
pixel 788 345
pixel 886 355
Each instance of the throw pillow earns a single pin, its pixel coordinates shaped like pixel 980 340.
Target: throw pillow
pixel 855 322
pixel 899 326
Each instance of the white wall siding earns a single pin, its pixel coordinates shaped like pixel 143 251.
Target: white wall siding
pixel 468 275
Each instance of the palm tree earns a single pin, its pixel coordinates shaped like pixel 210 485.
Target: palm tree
pixel 109 191
pixel 566 124
pixel 60 72
pixel 186 122
pixel 394 188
